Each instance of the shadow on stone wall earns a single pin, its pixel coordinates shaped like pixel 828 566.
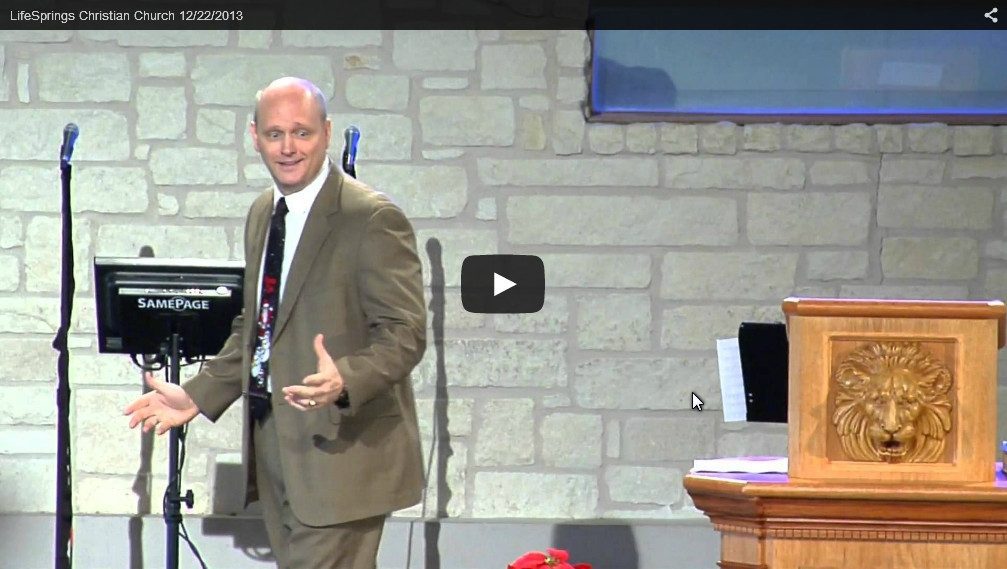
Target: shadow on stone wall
pixel 608 545
pixel 440 445
pixel 248 534
pixel 142 481
pixel 141 487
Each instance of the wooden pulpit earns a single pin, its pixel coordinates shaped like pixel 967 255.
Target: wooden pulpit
pixel 892 450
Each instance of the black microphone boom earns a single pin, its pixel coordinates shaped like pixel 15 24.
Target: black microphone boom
pixel 70 132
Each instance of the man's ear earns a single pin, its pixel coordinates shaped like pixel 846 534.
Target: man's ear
pixel 255 135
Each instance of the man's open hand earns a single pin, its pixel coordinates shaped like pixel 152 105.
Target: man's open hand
pixel 320 388
pixel 166 407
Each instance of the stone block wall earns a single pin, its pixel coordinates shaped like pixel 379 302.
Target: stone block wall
pixel 657 239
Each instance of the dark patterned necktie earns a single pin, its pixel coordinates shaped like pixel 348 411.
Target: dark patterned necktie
pixel 268 306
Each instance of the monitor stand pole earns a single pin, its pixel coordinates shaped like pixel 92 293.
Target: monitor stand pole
pixel 173 498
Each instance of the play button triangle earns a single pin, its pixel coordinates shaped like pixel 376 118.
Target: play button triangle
pixel 501 284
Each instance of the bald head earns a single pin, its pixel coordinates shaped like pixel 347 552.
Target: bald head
pixel 291 132
pixel 287 87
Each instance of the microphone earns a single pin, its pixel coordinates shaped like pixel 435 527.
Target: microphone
pixel 352 138
pixel 70 132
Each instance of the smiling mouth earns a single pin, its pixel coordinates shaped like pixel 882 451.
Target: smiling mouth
pixel 289 164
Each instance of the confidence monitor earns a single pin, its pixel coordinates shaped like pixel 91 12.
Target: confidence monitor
pixel 764 348
pixel 141 302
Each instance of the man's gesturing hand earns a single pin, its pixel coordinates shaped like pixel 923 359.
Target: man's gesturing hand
pixel 320 388
pixel 166 407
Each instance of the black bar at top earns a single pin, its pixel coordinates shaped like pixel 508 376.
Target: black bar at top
pixel 804 15
pixel 497 14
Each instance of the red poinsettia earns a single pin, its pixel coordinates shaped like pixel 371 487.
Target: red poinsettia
pixel 552 559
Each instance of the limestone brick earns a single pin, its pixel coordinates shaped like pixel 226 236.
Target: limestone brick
pixel 734 173
pixel 818 218
pixel 506 433
pixel 571 440
pixel 837 265
pixel 596 270
pixel 610 220
pixel 534 495
pixel 28 134
pixel 97 77
pixel 644 484
pixel 921 207
pixel 233 79
pixel 447 50
pixel 809 138
pixel 935 258
pixel 912 170
pixel 651 440
pixel 574 172
pixel 855 138
pixel 381 92
pixel 697 327
pixel 973 140
pixel 735 275
pixel 928 138
pixel 330 38
pixel 841 172
pixel 762 137
pixel 160 112
pixel 718 138
pixel 193 166
pixel 568 128
pixel 162 64
pixel 422 191
pixel 467 120
pixel 512 66
pixel 213 204
pixel 216 126
pixel 620 322
pixel 644 383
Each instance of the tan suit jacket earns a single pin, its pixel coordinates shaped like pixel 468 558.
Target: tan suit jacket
pixel 355 278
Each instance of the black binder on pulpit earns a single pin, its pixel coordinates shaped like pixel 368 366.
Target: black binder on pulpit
pixel 763 348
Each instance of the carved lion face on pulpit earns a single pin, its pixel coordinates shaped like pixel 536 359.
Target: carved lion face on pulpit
pixel 892 403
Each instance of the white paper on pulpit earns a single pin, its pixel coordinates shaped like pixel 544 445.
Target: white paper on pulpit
pixel 745 464
pixel 732 385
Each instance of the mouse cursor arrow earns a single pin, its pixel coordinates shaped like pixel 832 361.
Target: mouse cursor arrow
pixel 697 403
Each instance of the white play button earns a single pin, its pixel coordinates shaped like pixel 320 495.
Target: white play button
pixel 501 284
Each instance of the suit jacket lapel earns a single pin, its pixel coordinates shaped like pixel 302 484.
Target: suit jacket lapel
pixel 316 229
pixel 258 219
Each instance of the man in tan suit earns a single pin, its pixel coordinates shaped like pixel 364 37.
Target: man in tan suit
pixel 339 448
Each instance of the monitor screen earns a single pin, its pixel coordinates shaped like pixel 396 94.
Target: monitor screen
pixel 764 348
pixel 141 302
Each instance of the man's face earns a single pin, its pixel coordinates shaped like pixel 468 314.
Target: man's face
pixel 291 137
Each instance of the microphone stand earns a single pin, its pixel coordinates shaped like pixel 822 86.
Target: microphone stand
pixel 64 485
pixel 352 137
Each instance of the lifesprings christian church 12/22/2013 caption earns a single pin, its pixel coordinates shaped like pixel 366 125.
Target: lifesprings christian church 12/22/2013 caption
pixel 65 17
